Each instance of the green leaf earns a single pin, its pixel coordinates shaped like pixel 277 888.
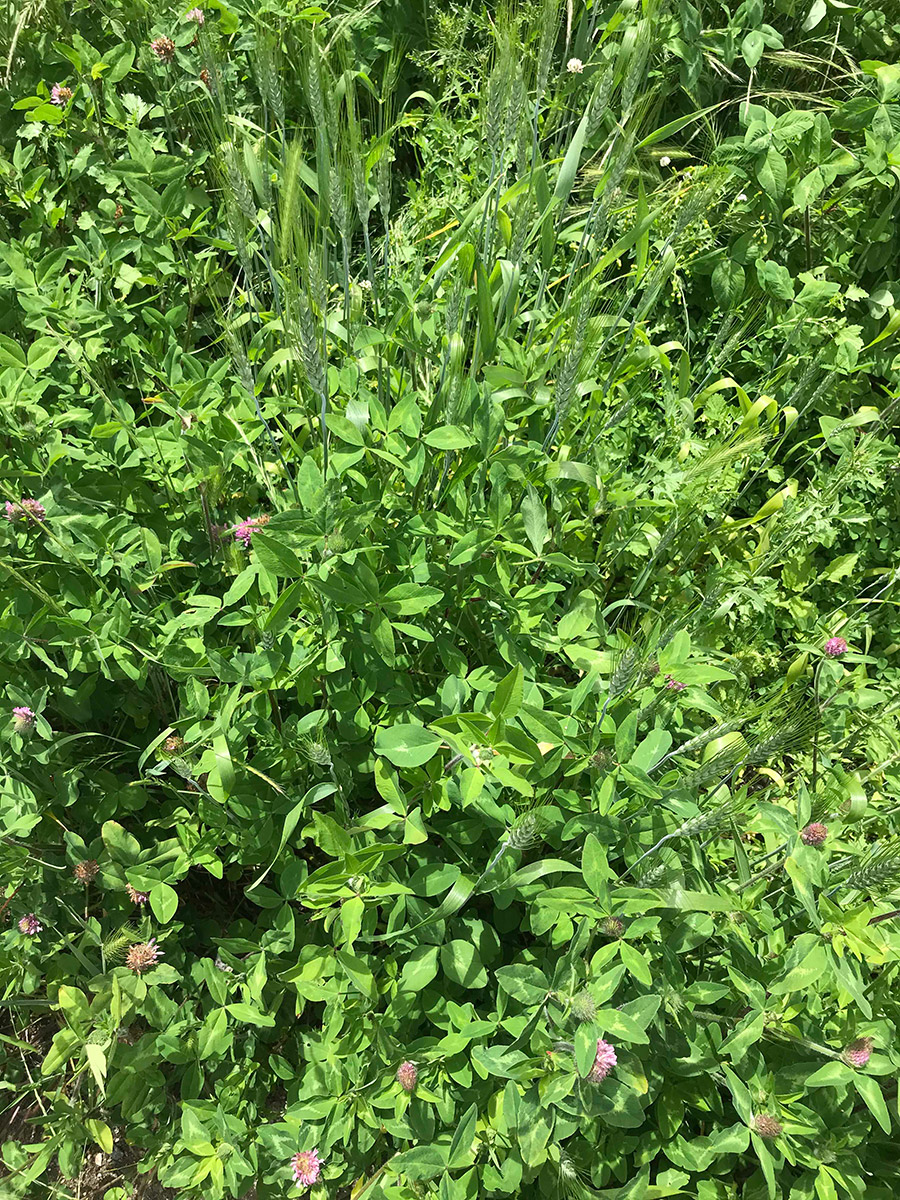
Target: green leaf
pixel 772 174
pixel 460 1154
pixel 870 1090
pixel 752 48
pixel 535 517
pixel 508 696
pixel 461 962
pixel 448 437
pixel 525 983
pixel 728 283
pixel 407 745
pixel 164 902
pixel 358 973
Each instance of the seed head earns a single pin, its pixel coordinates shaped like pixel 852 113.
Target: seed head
pixel 584 1006
pixel 835 647
pixel 135 896
pixel 30 925
pixel 23 719
pixel 858 1053
pixel 767 1127
pixel 25 510
pixel 612 927
pixel 604 1062
pixel 163 48
pixel 407 1076
pixel 142 956
pixel 814 834
pixel 85 872
pixel 60 95
pixel 306 1167
pixel 574 66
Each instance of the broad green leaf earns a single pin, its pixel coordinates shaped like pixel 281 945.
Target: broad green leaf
pixel 407 745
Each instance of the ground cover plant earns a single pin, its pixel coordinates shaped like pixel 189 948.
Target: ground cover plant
pixel 449 586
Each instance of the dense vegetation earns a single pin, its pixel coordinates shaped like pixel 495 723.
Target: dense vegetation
pixel 449 600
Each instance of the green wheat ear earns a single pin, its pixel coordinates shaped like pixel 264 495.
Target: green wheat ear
pixel 116 945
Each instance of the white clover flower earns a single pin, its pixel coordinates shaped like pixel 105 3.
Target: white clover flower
pixel 742 198
pixel 665 160
pixel 574 66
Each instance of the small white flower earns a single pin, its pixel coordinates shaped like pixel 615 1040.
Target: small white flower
pixel 742 198
pixel 574 66
pixel 665 160
pixel 366 285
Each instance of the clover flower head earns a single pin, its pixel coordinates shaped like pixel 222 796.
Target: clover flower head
pixel 244 531
pixel 407 1076
pixel 306 1167
pixel 835 647
pixel 135 896
pixel 674 685
pixel 814 834
pixel 767 1127
pixel 60 95
pixel 574 66
pixel 665 161
pixel 195 15
pixel 142 956
pixel 30 925
pixel 25 510
pixel 858 1053
pixel 23 718
pixel 604 1061
pixel 163 48
pixel 85 872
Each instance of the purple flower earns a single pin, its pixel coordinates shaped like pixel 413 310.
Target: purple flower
pixel 604 1062
pixel 835 647
pixel 23 718
pixel 25 510
pixel 858 1053
pixel 407 1075
pixel 135 896
pixel 306 1167
pixel 196 15
pixel 674 685
pixel 244 532
pixel 60 95
pixel 30 925
pixel 814 834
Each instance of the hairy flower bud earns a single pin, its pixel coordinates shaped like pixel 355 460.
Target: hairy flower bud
pixel 612 927
pixel 584 1006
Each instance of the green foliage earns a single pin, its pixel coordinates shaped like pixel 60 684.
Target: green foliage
pixel 451 438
